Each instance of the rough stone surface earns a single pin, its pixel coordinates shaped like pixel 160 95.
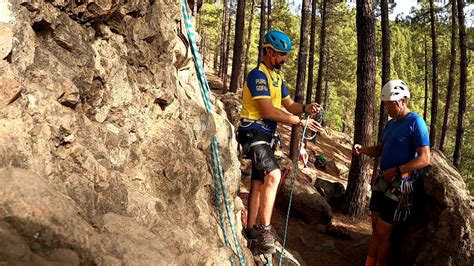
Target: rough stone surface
pixel 336 168
pixel 307 203
pixel 232 105
pixel 6 40
pixel 333 192
pixel 440 231
pixel 104 123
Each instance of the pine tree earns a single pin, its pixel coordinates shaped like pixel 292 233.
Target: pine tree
pixel 322 43
pixel 301 75
pixel 262 31
pixel 269 14
pixel 452 69
pixel 312 40
pixel 355 198
pixel 434 78
pixel 462 85
pixel 383 117
pixel 249 38
pixel 238 45
pixel 225 15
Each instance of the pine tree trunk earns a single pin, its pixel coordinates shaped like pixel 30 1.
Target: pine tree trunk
pixel 312 41
pixel 383 117
pixel 262 31
pixel 425 108
pixel 238 46
pixel 434 96
pixel 452 70
pixel 227 52
pixel 462 85
pixel 327 93
pixel 247 45
pixel 216 58
pixel 355 202
pixel 385 63
pixel 223 39
pixel 300 76
pixel 322 43
pixel 269 14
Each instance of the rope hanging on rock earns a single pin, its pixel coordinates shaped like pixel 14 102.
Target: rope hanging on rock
pixel 217 173
pixel 293 179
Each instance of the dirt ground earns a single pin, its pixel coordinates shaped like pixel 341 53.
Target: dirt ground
pixel 317 248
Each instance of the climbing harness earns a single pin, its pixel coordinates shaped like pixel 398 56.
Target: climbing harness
pixel 245 136
pixel 217 172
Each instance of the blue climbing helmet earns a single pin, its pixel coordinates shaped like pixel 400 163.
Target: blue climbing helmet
pixel 278 40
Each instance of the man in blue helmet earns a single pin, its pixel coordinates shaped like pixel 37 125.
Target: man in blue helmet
pixel 264 94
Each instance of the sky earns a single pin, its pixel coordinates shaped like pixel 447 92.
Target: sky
pixel 403 7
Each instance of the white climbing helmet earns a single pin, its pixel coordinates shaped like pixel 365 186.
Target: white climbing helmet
pixel 395 90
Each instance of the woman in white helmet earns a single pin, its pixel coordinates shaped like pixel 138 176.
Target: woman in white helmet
pixel 404 147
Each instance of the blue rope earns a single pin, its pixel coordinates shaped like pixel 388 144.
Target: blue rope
pixel 218 204
pixel 293 179
pixel 226 199
pixel 203 84
pixel 217 173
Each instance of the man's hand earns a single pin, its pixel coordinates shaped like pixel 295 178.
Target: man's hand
pixel 312 108
pixel 390 174
pixel 312 125
pixel 357 149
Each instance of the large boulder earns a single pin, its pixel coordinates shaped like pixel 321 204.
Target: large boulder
pixel 332 191
pixel 440 230
pixel 231 104
pixel 102 104
pixel 307 203
pixel 336 168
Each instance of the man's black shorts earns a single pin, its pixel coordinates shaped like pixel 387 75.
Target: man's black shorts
pixel 385 206
pixel 263 161
pixel 262 155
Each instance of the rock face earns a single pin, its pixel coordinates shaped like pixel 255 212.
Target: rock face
pixel 104 138
pixel 440 231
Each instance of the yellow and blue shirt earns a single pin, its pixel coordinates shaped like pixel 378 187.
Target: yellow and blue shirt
pixel 262 83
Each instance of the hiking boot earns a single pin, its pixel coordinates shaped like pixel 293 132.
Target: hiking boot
pixel 250 233
pixel 265 240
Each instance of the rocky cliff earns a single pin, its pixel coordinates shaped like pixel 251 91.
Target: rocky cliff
pixel 104 139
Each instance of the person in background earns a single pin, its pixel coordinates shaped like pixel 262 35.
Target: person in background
pixel 404 147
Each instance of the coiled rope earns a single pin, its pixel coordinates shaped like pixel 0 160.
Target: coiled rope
pixel 217 173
